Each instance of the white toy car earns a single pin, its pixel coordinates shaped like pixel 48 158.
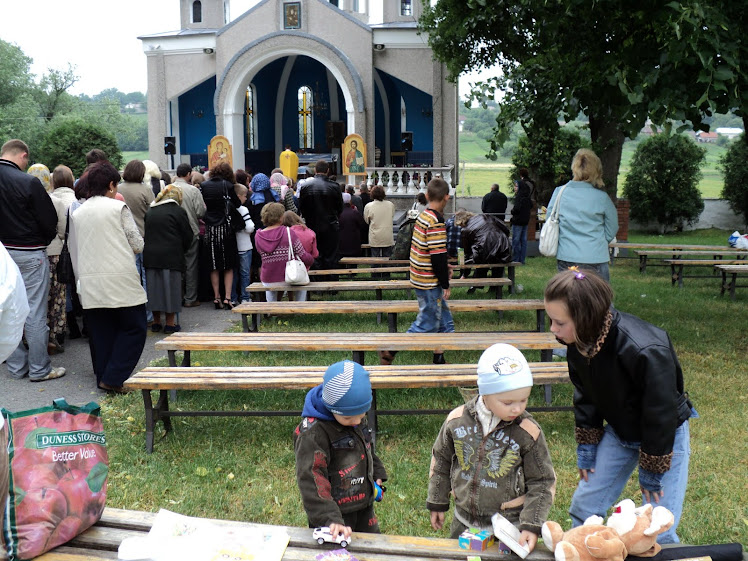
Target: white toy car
pixel 323 535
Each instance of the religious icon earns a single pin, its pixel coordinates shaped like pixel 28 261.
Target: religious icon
pixel 354 155
pixel 292 15
pixel 219 150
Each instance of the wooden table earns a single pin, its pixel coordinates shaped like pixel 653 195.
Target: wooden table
pixel 101 541
pixel 733 271
pixel 668 247
pixel 252 311
pixel 676 266
pixel 680 254
pixel 378 286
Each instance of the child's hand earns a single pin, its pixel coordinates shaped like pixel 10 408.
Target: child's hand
pixel 437 520
pixel 530 539
pixel 336 529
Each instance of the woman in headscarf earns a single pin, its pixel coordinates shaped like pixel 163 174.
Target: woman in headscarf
pixel 279 183
pixel 152 176
pixel 41 172
pixel 168 236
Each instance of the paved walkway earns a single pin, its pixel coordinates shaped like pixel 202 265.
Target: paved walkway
pixel 78 385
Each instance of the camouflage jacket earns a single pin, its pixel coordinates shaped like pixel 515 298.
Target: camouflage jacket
pixel 507 471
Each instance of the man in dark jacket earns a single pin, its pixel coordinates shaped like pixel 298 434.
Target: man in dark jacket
pixel 320 203
pixel 521 215
pixel 28 222
pixel 494 202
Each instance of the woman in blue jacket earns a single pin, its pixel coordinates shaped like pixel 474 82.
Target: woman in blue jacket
pixel 588 220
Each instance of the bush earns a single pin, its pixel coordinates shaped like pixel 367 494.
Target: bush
pixel 68 142
pixel 734 168
pixel 663 183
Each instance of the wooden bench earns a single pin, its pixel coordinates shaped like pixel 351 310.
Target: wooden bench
pixel 164 379
pixel 402 266
pixel 102 540
pixel 357 343
pixel 676 267
pixel 733 271
pixel 252 311
pixel 680 254
pixel 378 286
pixel 655 246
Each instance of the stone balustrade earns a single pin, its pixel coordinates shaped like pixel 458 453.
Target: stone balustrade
pixel 407 181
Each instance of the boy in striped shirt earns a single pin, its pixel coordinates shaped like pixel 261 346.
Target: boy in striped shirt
pixel 429 270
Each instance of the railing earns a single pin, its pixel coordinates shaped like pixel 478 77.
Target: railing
pixel 407 180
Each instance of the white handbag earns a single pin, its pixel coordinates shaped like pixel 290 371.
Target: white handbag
pixel 295 269
pixel 549 233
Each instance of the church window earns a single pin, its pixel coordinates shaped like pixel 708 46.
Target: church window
pixel 334 2
pixel 197 11
pixel 355 6
pixel 403 115
pixel 406 7
pixel 225 13
pixel 306 123
pixel 251 117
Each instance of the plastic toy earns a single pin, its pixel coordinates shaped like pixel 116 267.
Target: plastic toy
pixel 476 539
pixel 379 491
pixel 323 535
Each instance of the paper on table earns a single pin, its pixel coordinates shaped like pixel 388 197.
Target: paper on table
pixel 174 536
pixel 509 535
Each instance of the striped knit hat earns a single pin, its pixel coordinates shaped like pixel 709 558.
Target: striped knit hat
pixel 346 389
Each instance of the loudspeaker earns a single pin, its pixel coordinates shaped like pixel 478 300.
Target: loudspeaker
pixel 170 145
pixel 406 141
pixel 334 134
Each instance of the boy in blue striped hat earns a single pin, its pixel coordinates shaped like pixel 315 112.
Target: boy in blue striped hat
pixel 336 469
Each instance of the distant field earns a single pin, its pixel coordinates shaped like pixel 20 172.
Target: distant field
pixel 127 156
pixel 479 173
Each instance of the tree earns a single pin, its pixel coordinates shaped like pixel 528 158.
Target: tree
pixel 68 142
pixel 548 168
pixel 52 92
pixel 617 63
pixel 734 167
pixel 663 182
pixel 15 76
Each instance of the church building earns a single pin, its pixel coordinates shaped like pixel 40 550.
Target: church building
pixel 304 73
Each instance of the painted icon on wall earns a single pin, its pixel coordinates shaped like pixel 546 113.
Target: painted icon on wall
pixel 292 15
pixel 354 155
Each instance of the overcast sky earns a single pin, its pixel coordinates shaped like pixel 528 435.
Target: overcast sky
pixel 98 37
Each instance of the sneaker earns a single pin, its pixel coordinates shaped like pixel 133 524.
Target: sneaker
pixel 53 374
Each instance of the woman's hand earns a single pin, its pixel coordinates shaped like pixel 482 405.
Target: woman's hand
pixel 583 473
pixel 652 496
pixel 437 520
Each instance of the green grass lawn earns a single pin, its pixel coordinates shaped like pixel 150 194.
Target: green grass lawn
pixel 479 173
pixel 127 156
pixel 243 468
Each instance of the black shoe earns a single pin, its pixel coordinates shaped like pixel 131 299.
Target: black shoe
pixel 472 289
pixel 169 329
pixel 156 327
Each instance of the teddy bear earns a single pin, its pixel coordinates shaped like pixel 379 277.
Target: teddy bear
pixel 639 527
pixel 588 542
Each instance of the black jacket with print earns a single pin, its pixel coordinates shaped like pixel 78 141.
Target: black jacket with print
pixel 335 469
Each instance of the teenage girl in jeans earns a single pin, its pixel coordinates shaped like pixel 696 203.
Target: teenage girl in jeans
pixel 629 403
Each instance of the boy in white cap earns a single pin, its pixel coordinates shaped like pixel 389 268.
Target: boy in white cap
pixel 336 468
pixel 492 454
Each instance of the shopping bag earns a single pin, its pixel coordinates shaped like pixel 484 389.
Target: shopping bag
pixel 57 474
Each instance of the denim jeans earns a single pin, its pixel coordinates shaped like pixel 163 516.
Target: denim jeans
pixel 241 277
pixel 519 243
pixel 614 464
pixel 141 272
pixel 601 269
pixel 34 362
pixel 433 313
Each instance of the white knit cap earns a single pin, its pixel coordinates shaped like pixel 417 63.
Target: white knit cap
pixel 502 368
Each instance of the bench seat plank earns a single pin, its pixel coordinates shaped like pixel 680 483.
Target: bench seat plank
pixel 390 307
pixel 102 541
pixel 295 377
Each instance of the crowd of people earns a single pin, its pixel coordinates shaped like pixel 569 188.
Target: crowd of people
pixel 136 244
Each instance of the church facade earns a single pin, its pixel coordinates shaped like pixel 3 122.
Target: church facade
pixel 304 73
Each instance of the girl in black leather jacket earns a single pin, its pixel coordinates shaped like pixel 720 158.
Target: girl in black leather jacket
pixel 629 403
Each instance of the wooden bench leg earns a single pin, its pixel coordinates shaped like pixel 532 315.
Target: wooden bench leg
pixel 724 283
pixel 392 321
pixel 540 321
pixel 642 264
pixel 358 356
pixel 733 284
pixel 172 357
pixel 186 359
pixel 149 421
pixel 680 276
pixel 510 275
pixel 378 292
pixel 548 394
